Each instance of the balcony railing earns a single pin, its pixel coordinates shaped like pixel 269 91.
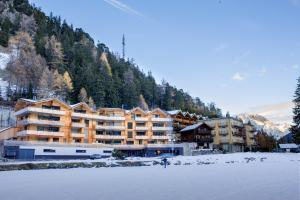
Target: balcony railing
pixel 162 128
pixel 78 125
pixel 159 119
pixel 160 137
pixel 39 110
pixel 98 117
pixel 141 119
pixel 77 135
pixel 237 140
pixel 142 128
pixel 40 133
pixel 118 128
pixel 141 137
pixel 40 122
pixel 110 137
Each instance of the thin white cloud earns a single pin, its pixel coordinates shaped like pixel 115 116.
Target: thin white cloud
pixel 221 47
pixel 123 7
pixel 241 57
pixel 262 71
pixel 295 66
pixel 237 77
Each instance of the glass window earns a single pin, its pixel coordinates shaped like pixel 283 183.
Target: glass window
pixel 129 125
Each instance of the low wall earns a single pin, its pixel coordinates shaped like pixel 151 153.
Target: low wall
pixel 69 165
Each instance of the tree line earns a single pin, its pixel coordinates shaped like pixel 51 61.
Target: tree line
pixel 51 58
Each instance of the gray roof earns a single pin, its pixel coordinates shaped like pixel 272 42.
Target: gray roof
pixel 288 146
pixel 191 127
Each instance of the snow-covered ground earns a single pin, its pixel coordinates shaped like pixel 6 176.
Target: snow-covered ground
pixel 237 176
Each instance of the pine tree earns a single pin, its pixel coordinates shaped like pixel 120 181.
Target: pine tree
pixel 295 129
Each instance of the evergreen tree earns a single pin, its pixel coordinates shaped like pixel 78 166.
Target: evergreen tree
pixel 295 129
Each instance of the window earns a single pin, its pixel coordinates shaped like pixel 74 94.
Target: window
pixel 158 133
pixel 51 107
pixel 129 125
pixel 155 116
pixel 117 142
pixel 86 122
pixel 141 133
pixel 129 134
pixel 130 142
pixel 107 151
pixel 140 124
pixel 49 150
pixel 51 118
pixel 79 111
pixel 158 124
pixel 99 132
pixel 55 139
pixel 48 129
pixel 75 120
pixel 80 151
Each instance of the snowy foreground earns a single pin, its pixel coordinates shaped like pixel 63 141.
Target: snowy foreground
pixel 245 176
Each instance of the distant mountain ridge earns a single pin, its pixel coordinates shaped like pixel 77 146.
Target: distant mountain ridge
pixel 262 123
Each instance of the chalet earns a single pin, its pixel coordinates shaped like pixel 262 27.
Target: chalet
pixel 199 133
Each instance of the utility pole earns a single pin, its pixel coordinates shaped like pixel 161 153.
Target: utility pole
pixel 123 46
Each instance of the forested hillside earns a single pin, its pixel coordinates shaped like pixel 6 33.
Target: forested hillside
pixel 49 57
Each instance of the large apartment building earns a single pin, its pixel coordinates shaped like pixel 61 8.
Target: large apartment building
pixel 229 134
pixel 52 120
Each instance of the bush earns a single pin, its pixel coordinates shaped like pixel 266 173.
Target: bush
pixel 118 155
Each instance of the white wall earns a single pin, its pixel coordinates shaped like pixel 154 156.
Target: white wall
pixel 67 151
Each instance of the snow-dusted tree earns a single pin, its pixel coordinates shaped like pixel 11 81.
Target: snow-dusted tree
pixel 68 81
pixel 25 67
pixel 59 86
pixel 46 85
pixel 83 97
pixel 54 52
pixel 91 102
pixel 295 129
pixel 142 103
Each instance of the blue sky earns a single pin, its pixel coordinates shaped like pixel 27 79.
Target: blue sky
pixel 238 54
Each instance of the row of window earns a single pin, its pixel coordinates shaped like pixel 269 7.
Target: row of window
pixel 51 107
pixel 48 117
pixel 77 151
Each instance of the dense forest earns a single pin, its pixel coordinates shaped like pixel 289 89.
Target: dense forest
pixel 51 58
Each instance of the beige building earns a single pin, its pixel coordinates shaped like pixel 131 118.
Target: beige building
pixel 52 120
pixel 230 134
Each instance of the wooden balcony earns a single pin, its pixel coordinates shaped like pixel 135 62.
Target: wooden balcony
pixel 40 133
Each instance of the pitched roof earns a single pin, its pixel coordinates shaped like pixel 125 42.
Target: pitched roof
pixel 174 112
pixel 191 127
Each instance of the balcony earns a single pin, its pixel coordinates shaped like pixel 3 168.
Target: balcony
pixel 160 137
pixel 159 119
pixel 40 133
pixel 77 135
pixel 141 119
pixel 142 128
pixel 237 140
pixel 40 122
pixel 110 137
pixel 112 128
pixel 162 128
pixel 78 125
pixel 141 137
pixel 224 139
pixel 39 110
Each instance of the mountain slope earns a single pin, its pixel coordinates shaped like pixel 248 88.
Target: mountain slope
pixel 111 81
pixel 262 123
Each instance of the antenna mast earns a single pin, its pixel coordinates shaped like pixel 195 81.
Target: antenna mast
pixel 123 46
